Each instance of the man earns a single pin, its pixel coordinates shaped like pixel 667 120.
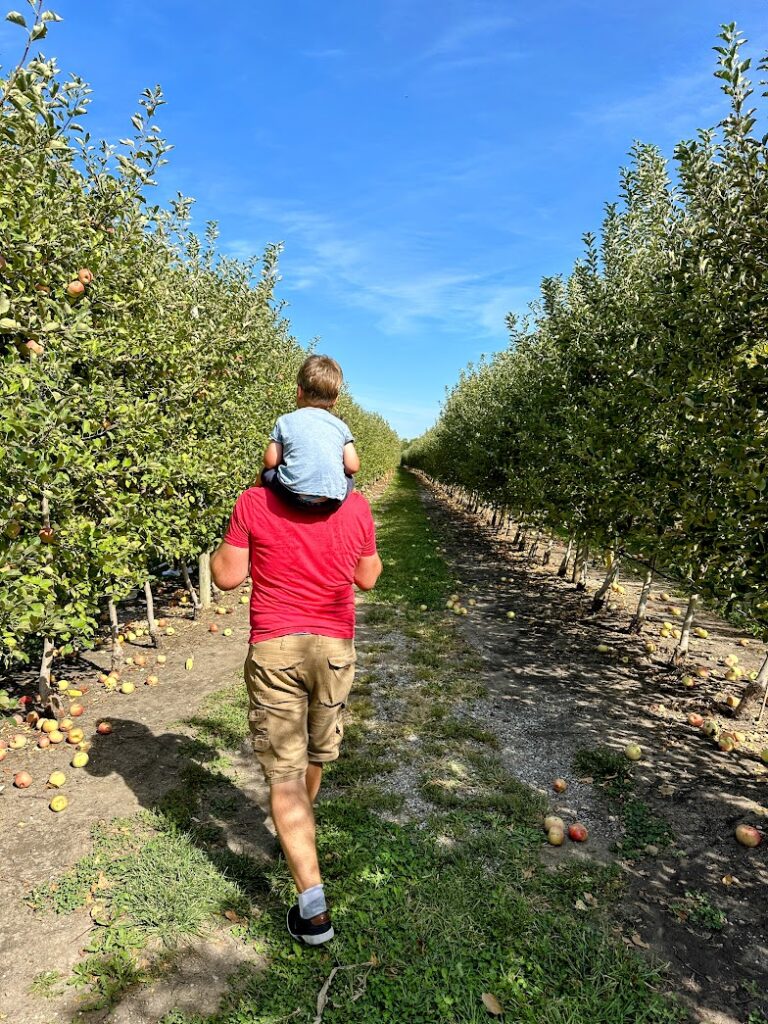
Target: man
pixel 301 660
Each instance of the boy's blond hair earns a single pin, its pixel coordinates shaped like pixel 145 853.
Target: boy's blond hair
pixel 320 378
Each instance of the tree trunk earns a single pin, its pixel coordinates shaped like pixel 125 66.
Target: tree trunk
pixel 581 583
pixel 48 698
pixel 636 623
pixel 562 572
pixel 153 633
pixel 518 535
pixel 191 590
pixel 548 552
pixel 679 653
pixel 756 692
pixel 598 601
pixel 115 631
pixel 534 548
pixel 204 576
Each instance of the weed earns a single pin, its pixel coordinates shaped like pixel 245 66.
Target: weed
pixel 697 908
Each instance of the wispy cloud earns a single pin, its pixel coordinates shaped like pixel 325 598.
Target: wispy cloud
pixel 372 270
pixel 456 37
pixel 678 105
pixel 329 53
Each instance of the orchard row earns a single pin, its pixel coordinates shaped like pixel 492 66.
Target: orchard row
pixel 140 371
pixel 630 412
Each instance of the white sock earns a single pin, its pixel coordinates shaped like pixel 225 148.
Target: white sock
pixel 312 902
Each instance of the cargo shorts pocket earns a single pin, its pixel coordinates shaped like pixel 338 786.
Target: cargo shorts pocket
pixel 257 723
pixel 337 681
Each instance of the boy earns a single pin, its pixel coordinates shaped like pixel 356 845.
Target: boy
pixel 311 457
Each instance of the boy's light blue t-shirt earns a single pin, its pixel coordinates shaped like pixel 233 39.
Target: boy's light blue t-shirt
pixel 313 442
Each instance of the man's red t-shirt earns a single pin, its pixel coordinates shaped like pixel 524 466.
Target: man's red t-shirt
pixel 302 563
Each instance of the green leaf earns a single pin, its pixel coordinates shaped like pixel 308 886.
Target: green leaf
pixel 16 18
pixel 40 31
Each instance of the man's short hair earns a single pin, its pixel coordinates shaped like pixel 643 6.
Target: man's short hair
pixel 320 378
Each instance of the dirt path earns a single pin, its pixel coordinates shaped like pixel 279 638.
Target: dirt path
pixel 128 770
pixel 552 693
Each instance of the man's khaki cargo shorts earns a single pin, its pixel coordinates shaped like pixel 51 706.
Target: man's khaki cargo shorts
pixel 298 686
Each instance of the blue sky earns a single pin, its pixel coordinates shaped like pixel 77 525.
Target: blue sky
pixel 425 163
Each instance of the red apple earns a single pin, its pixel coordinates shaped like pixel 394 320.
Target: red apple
pixel 84 276
pixel 75 289
pixel 213 628
pixel 46 535
pixel 695 720
pixel 577 832
pixel 104 728
pixel 23 780
pixel 76 710
pixel 748 835
pixel 559 785
pixel 3 754
pixel 43 741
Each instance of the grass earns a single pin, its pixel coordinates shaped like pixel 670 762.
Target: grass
pixel 697 909
pixel 642 828
pixel 429 913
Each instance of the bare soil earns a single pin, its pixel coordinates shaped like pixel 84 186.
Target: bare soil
pixel 553 694
pixel 128 770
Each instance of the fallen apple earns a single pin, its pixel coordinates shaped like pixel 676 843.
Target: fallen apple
pixel 710 727
pixel 189 664
pixel 170 631
pixel 731 660
pixel 511 615
pixel 140 660
pixel 161 659
pixel 764 755
pixel 552 821
pixel 555 836
pixel 732 701
pixel 104 728
pixel 43 741
pixel 743 642
pixel 603 648
pixel 422 608
pixel 695 720
pixel 4 753
pixel 66 724
pixel 76 710
pixel 127 687
pixel 22 780
pixel 74 692
pixel 633 751
pixel 688 681
pixel 213 628
pixel 57 779
pixel 701 633
pixel 244 600
pixel 17 742
pixel 559 785
pixel 162 623
pixel 227 632
pixel 649 647
pixel 76 736
pixel 152 680
pixel 59 803
pixel 80 759
pixel 577 832
pixel 748 835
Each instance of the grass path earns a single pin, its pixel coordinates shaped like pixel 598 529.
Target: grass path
pixel 431 853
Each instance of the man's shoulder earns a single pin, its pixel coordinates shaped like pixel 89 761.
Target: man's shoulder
pixel 358 505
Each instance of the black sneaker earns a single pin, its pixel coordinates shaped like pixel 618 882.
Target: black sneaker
pixel 314 931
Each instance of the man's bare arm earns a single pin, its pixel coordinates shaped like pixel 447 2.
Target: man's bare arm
pixel 367 572
pixel 229 566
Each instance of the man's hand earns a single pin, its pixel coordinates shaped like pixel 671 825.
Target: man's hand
pixel 229 566
pixel 367 571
